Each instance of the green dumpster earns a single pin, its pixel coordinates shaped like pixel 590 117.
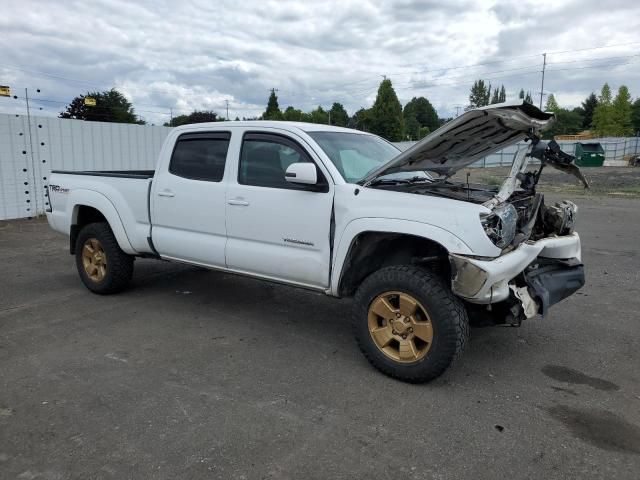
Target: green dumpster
pixel 589 154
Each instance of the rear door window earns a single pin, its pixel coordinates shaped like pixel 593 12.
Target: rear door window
pixel 200 156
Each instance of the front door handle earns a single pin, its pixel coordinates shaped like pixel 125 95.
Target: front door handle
pixel 166 193
pixel 237 201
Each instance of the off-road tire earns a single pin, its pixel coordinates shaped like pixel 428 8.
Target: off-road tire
pixel 119 265
pixel 447 313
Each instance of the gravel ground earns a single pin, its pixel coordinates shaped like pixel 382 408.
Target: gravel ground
pixel 615 181
pixel 198 374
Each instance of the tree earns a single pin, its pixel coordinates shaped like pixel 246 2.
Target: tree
pixel 338 115
pixel 419 113
pixel 568 122
pixel 480 94
pixel 526 97
pixel 273 110
pixel 111 106
pixel 635 116
pixel 603 117
pixel 552 105
pixel 197 116
pixel 621 113
pixel 292 114
pixel 496 96
pixel 319 115
pixel 499 95
pixel 588 106
pixel 361 120
pixel 386 113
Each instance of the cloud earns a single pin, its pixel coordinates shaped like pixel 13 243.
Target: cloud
pixel 178 56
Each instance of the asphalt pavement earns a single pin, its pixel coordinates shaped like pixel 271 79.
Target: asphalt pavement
pixel 199 374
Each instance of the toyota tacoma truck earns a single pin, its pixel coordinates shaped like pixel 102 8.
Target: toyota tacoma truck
pixel 346 213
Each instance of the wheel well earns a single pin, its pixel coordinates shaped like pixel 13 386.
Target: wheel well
pixel 371 251
pixel 83 215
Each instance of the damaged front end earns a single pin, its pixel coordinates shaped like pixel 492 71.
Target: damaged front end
pixel 540 263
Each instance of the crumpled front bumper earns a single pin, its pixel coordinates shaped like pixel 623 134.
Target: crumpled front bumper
pixel 484 281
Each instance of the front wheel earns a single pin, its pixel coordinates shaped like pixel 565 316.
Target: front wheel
pixel 103 267
pixel 408 324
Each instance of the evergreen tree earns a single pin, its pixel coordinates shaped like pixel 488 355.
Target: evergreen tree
pixel 386 113
pixel 552 105
pixel 528 98
pixel 273 110
pixel 635 116
pixel 503 95
pixel 521 94
pixel 603 117
pixel 496 96
pixel 621 112
pixel 588 106
pixel 480 94
pixel 338 115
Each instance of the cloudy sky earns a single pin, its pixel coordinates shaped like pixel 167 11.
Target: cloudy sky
pixel 186 55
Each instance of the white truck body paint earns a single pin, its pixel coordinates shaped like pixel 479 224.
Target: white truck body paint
pixel 279 234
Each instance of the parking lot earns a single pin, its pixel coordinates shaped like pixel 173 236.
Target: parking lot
pixel 200 374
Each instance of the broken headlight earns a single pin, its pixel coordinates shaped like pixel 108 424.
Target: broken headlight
pixel 500 224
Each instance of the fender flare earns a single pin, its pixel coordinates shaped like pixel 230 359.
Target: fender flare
pixel 443 237
pixel 91 198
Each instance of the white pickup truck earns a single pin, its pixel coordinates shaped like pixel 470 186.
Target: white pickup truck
pixel 346 213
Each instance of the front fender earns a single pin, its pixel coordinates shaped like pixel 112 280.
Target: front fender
pixel 91 198
pixel 448 240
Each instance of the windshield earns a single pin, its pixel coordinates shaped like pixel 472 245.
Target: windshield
pixel 356 154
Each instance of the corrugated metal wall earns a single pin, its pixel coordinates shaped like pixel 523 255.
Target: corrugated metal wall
pixel 29 151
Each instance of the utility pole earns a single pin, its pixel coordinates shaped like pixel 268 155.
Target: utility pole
pixel 227 102
pixel 544 65
pixel 457 110
pixel 171 116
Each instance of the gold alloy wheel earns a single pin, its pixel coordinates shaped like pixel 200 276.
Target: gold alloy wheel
pixel 94 260
pixel 400 327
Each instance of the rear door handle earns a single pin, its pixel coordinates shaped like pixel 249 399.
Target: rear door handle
pixel 237 201
pixel 166 193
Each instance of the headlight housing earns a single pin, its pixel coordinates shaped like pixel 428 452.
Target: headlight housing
pixel 500 225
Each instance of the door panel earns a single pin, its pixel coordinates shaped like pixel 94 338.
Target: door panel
pixel 274 228
pixel 188 201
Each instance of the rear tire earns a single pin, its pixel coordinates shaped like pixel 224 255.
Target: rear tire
pixel 408 324
pixel 103 267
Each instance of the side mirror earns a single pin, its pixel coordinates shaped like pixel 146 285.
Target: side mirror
pixel 302 172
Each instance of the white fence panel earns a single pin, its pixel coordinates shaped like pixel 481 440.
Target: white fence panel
pixel 28 153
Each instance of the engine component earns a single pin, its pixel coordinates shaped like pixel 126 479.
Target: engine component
pixel 559 218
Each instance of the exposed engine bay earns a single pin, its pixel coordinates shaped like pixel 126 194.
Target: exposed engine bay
pixel 518 212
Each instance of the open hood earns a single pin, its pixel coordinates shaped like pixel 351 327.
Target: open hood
pixel 467 138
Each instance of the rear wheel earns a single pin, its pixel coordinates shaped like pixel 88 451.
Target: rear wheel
pixel 103 267
pixel 408 324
